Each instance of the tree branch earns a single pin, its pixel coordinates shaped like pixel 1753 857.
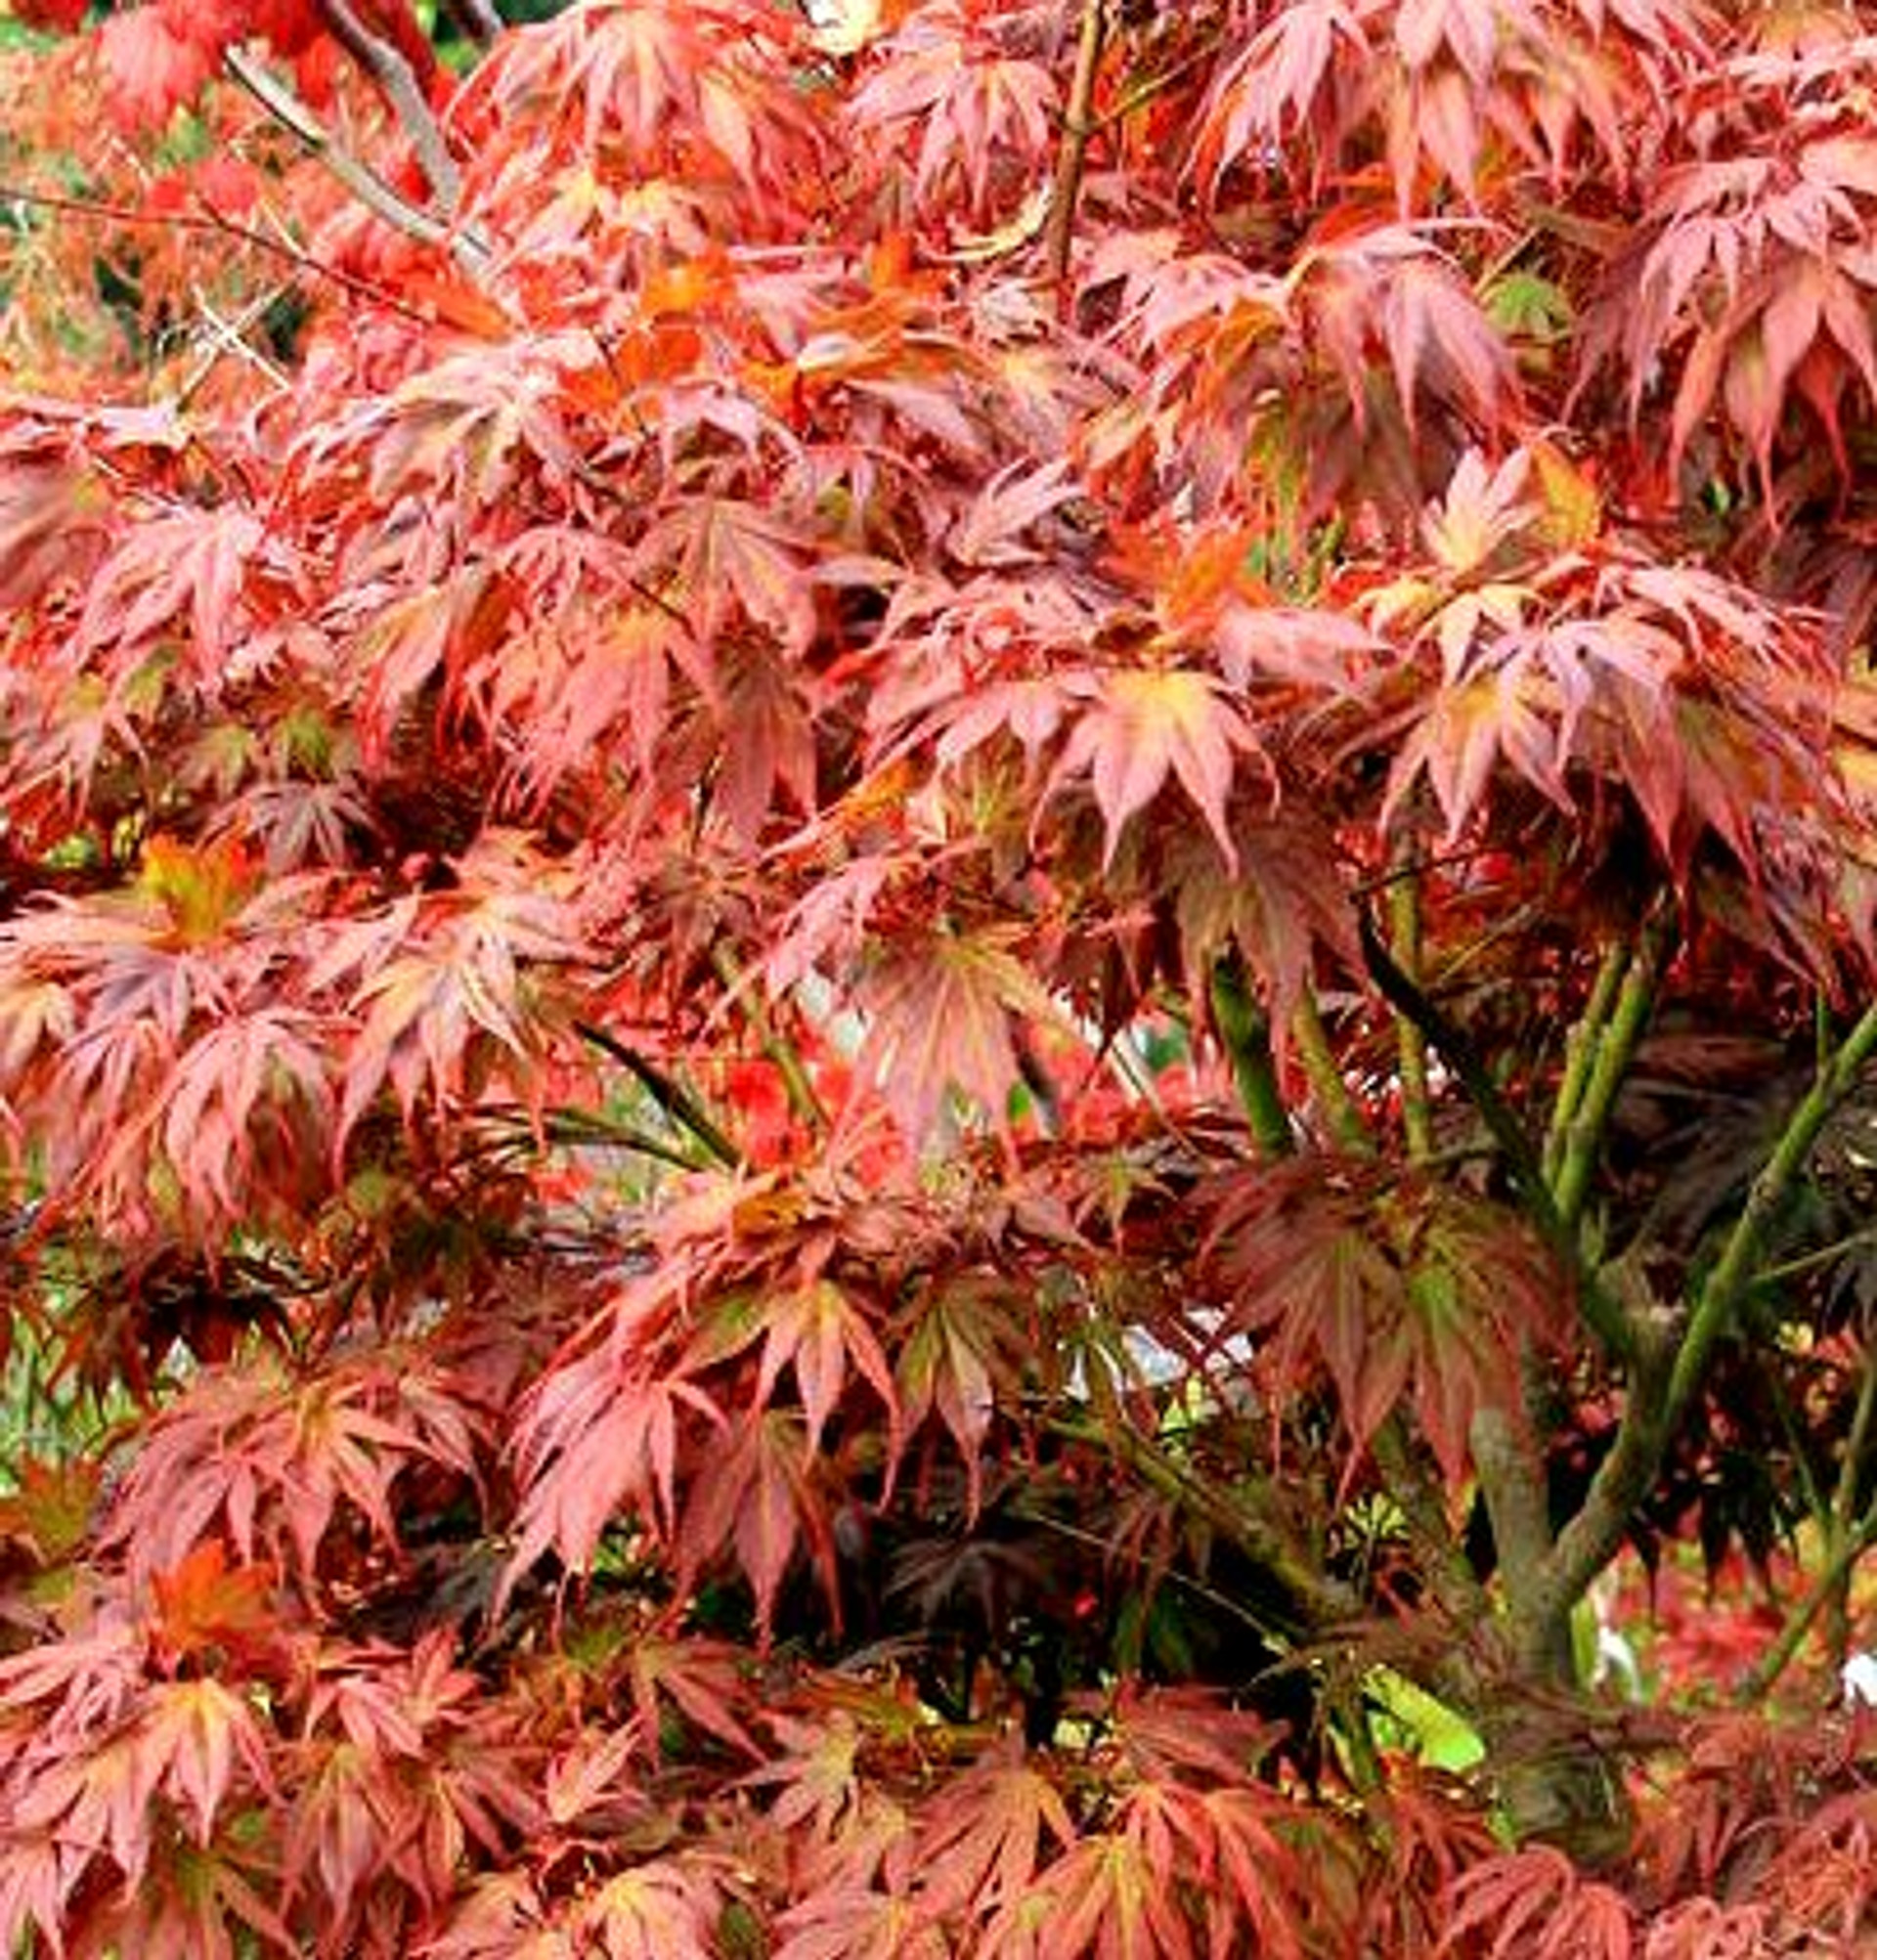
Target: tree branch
pixel 1071 152
pixel 370 190
pixel 1600 1309
pixel 1244 1032
pixel 477 19
pixel 1580 1050
pixel 1728 1284
pixel 397 81
pixel 1411 1044
pixel 1667 1371
pixel 1320 1065
pixel 1611 1048
pixel 678 1107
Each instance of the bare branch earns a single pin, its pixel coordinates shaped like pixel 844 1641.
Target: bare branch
pixel 370 190
pixel 398 83
pixel 476 19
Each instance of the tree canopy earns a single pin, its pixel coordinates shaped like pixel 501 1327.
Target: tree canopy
pixel 937 957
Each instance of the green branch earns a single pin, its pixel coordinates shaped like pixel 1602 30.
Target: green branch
pixel 1805 1610
pixel 1245 1032
pixel 1610 1049
pixel 1734 1274
pixel 1600 1309
pixel 1580 1051
pixel 1667 1371
pixel 1411 1044
pixel 1320 1065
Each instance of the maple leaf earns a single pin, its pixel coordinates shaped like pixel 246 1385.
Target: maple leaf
pixel 990 532
pixel 1440 1315
pixel 85 1681
pixel 442 627
pixel 982 1842
pixel 707 1682
pixel 158 59
pixel 204 1604
pixel 1280 911
pixel 716 549
pixel 53 517
pixel 50 1508
pixel 268 1462
pixel 944 73
pixel 600 1432
pixel 194 564
pixel 189 1737
pixel 664 1909
pixel 658 83
pixel 818 1777
pixel 468 425
pixel 857 1923
pixel 500 1916
pixel 939 1018
pixel 815 1330
pixel 958 1348
pixel 1535 1899
pixel 757 1493
pixel 1389 292
pixel 1148 724
pixel 767 738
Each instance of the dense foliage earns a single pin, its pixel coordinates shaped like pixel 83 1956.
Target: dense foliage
pixel 935 977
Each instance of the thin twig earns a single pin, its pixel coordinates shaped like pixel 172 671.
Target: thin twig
pixel 226 337
pixel 211 220
pixel 681 1108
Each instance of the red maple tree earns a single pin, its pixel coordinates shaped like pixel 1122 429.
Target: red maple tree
pixel 936 974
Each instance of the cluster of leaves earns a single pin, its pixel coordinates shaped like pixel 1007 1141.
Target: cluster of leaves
pixel 926 933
